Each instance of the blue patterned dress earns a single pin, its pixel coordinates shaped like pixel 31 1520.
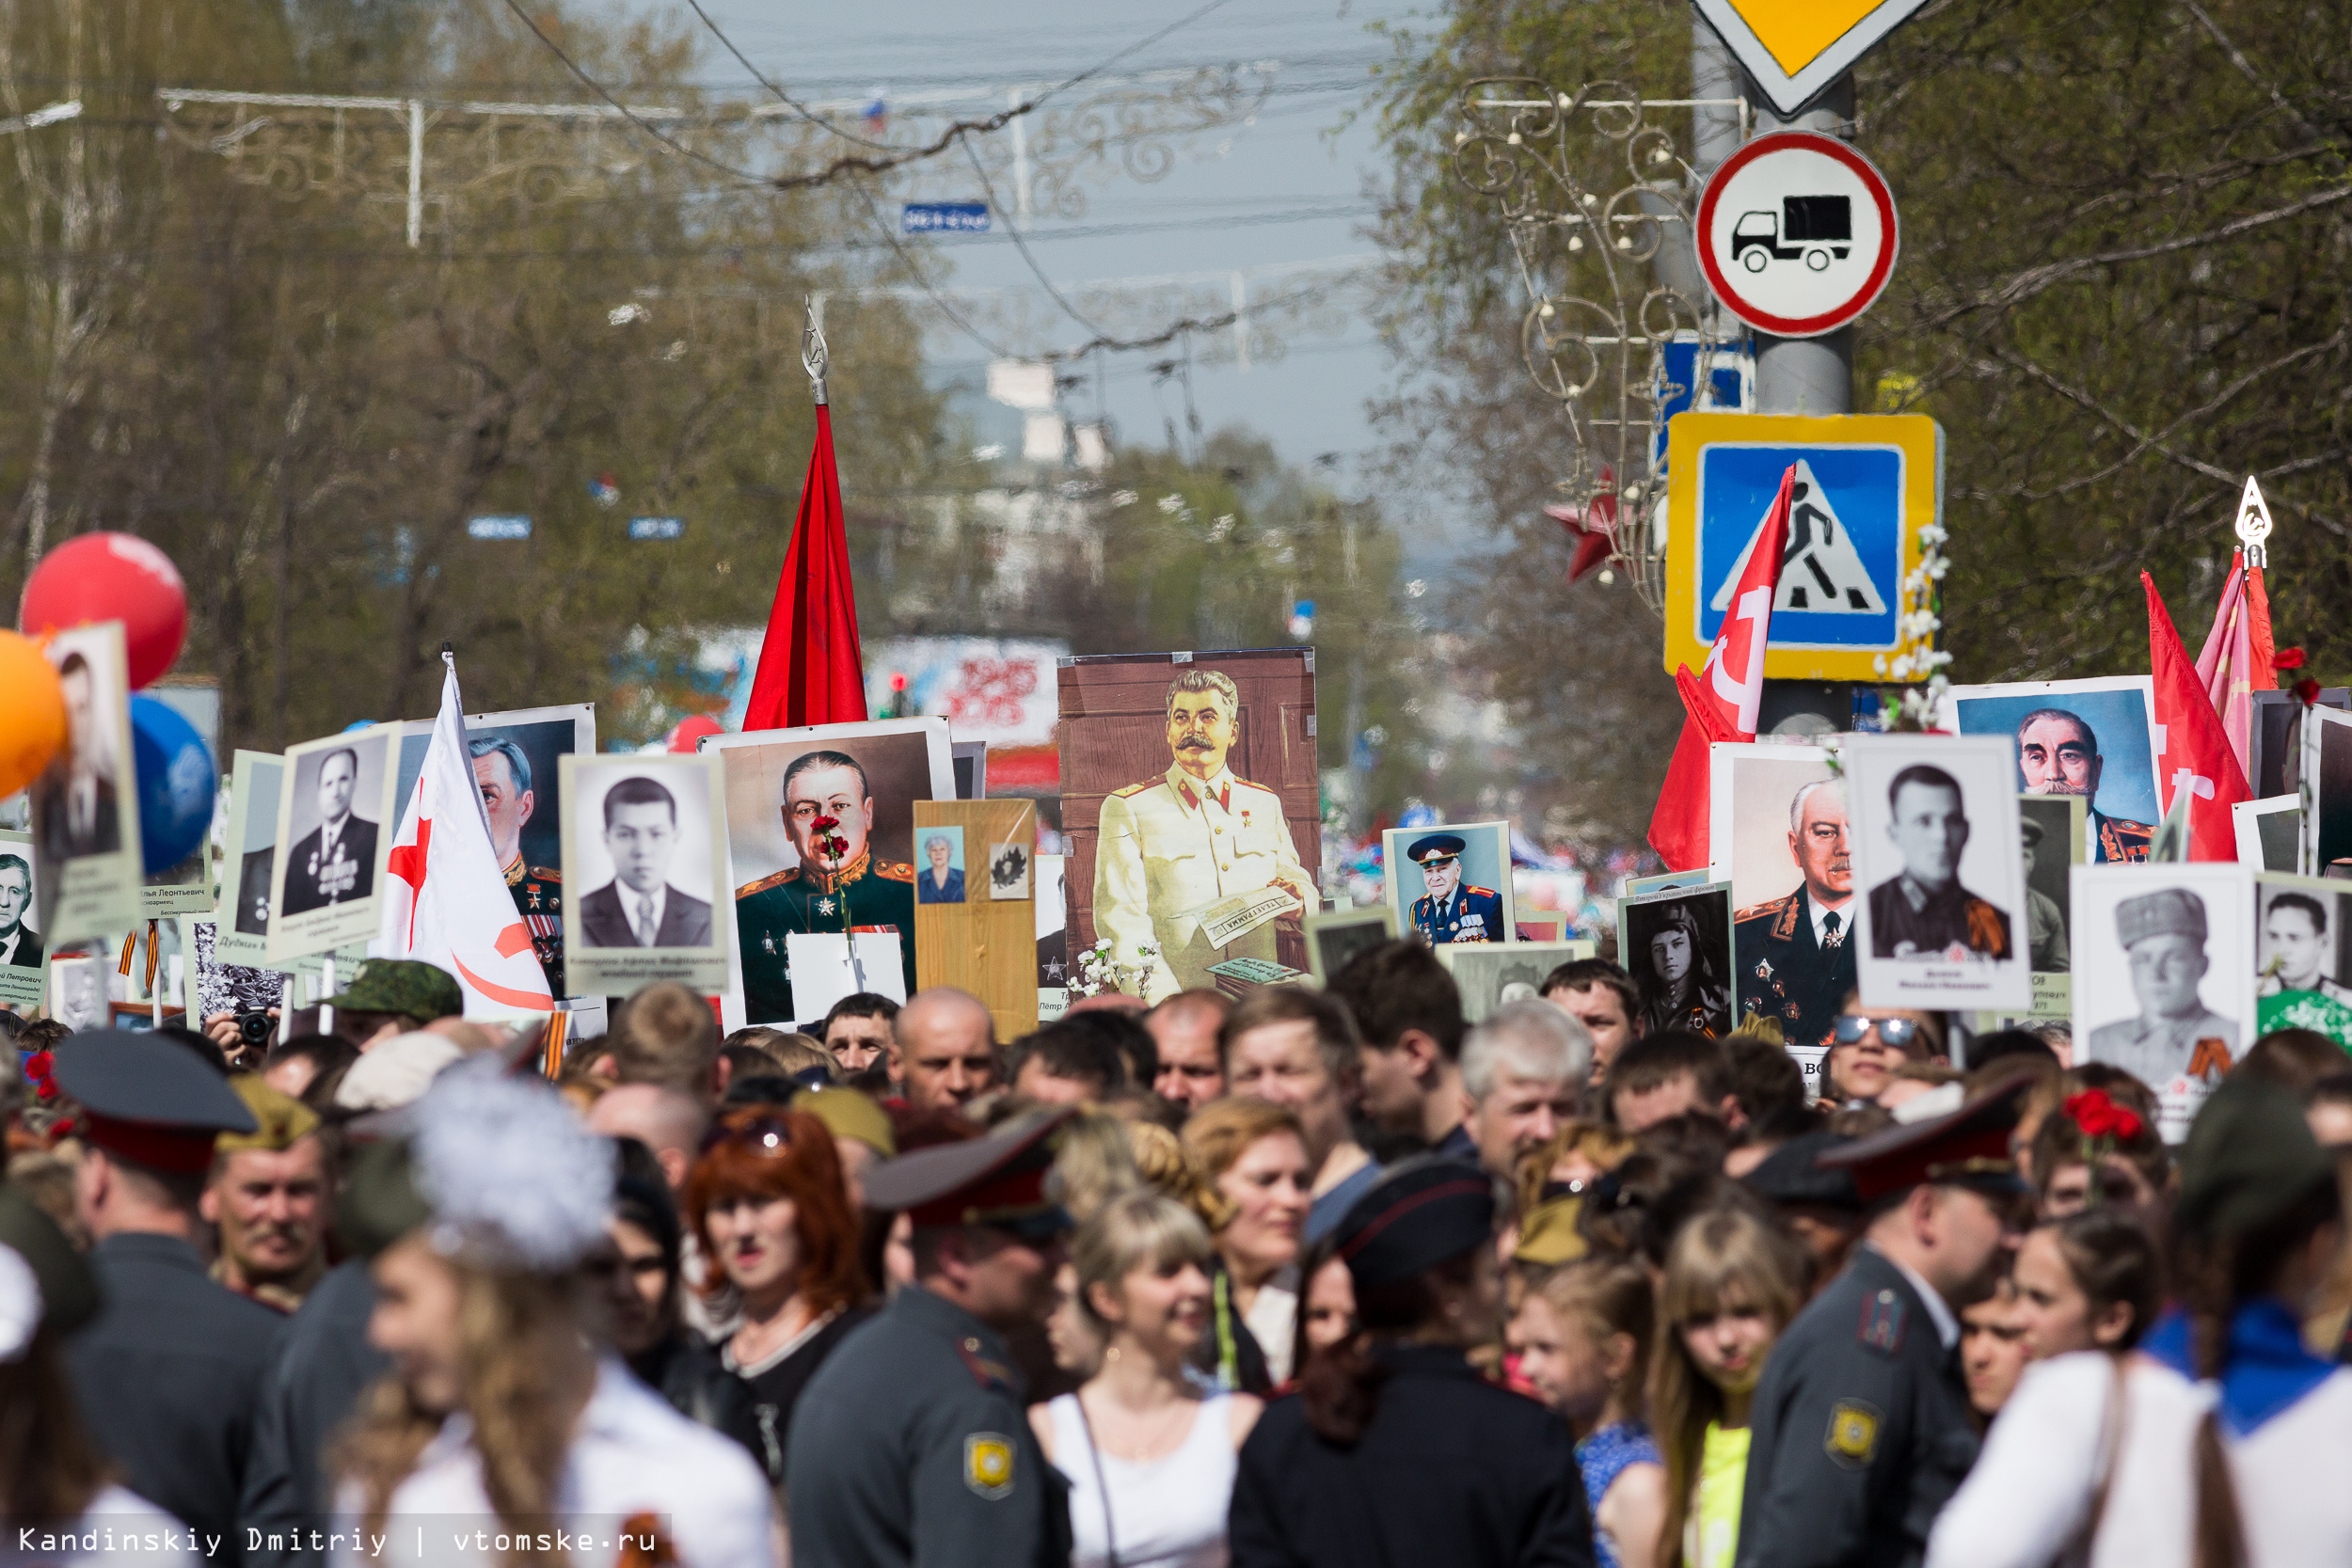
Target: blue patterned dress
pixel 1603 1457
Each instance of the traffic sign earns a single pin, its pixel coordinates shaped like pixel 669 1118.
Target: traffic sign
pixel 1867 483
pixel 1795 49
pixel 1796 234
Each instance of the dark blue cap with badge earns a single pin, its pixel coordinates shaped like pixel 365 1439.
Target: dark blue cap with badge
pixel 1436 846
pixel 148 1101
pixel 1422 1213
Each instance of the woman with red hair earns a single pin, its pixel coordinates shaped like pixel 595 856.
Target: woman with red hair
pixel 768 1203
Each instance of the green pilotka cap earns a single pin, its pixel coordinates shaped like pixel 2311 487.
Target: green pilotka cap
pixel 424 991
pixel 2249 1157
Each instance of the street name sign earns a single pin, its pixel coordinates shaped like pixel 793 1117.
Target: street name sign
pixel 1867 483
pixel 1796 234
pixel 943 217
pixel 1795 49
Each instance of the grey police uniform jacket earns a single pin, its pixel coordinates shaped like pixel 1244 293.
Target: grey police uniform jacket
pixel 170 1376
pixel 910 1445
pixel 1860 1429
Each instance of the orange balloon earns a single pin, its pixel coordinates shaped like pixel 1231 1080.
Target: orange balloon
pixel 32 720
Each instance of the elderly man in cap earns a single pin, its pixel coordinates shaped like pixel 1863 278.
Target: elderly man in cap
pixel 910 1445
pixel 1449 911
pixel 2163 935
pixel 267 1199
pixel 169 1374
pixel 1860 1426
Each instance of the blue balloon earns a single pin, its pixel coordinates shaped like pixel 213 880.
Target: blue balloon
pixel 177 781
pixel 360 724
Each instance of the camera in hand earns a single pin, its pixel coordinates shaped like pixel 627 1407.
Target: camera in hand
pixel 254 1028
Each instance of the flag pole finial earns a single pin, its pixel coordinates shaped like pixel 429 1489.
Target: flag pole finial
pixel 2253 524
pixel 814 356
pixel 449 655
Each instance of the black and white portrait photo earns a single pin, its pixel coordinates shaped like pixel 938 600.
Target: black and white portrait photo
pixel 21 950
pixel 1492 973
pixel 1335 937
pixel 643 845
pixel 1937 865
pixel 2052 836
pixel 250 859
pixel 84 804
pixel 2164 968
pixel 1677 948
pixel 334 809
pixel 2304 953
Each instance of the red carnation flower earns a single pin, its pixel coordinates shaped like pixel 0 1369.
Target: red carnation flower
pixel 39 1067
pixel 2100 1116
pixel 2307 691
pixel 2287 658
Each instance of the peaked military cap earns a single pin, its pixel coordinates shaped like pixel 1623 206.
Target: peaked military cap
pixel 148 1101
pixel 997 1180
pixel 1435 847
pixel 1964 1147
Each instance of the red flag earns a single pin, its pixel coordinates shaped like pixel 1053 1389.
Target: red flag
pixel 1722 701
pixel 810 669
pixel 2195 751
pixel 2235 661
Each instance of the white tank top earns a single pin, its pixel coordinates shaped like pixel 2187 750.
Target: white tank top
pixel 1169 1514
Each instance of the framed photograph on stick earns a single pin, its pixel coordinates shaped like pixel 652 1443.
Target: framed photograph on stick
pixel 85 803
pixel 2164 976
pixel 974 941
pixel 2274 761
pixel 1780 838
pixel 2327 791
pixel 1491 973
pixel 1337 936
pixel 2096 738
pixel 2304 949
pixel 335 817
pixel 22 949
pixel 644 851
pixel 1678 947
pixel 2270 832
pixel 2052 832
pixel 1451 883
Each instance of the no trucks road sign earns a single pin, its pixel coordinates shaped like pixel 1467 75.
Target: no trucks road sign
pixel 1796 234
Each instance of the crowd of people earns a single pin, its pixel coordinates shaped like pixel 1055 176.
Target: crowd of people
pixel 1318 1277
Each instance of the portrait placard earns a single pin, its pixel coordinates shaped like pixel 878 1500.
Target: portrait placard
pixel 2274 738
pixel 216 987
pixel 242 935
pixel 2097 738
pixel 2054 834
pixel 1451 882
pixel 1191 810
pixel 1053 939
pixel 820 838
pixel 77 990
pixel 1334 937
pixel 2164 975
pixel 1752 789
pixel 1008 872
pixel 971 763
pixel 21 948
pixel 2327 790
pixel 2303 948
pixel 1939 904
pixel 644 851
pixel 86 804
pixel 1491 973
pixel 335 826
pixel 1678 947
pixel 2270 832
pixel 1777 829
pixel 1664 881
pixel 977 942
pixel 939 867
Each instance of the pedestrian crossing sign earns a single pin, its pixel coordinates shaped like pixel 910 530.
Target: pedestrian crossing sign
pixel 1865 484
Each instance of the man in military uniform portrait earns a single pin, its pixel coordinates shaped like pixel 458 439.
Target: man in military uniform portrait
pixel 826 799
pixel 1449 911
pixel 1174 847
pixel 639 908
pixel 1675 971
pixel 504 774
pixel 20 944
pixel 1922 911
pixel 1794 963
pixel 2163 935
pixel 2296 991
pixel 334 862
pixel 2045 923
pixel 2058 753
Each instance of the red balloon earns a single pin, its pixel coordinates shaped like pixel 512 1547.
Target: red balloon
pixel 111 576
pixel 691 730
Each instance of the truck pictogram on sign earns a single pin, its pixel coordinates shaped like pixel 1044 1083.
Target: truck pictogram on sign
pixel 1813 229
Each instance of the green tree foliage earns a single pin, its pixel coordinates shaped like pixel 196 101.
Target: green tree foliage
pixel 2121 290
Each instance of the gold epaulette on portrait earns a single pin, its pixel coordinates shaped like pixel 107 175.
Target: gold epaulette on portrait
pixel 789 874
pixel 1770 907
pixel 1137 788
pixel 547 874
pixel 892 871
pixel 1476 892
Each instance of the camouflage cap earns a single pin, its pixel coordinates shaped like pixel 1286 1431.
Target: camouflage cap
pixel 284 1120
pixel 424 991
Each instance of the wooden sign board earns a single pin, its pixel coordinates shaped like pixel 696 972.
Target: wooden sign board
pixel 986 940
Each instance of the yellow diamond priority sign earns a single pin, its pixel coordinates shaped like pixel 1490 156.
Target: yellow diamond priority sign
pixel 1795 48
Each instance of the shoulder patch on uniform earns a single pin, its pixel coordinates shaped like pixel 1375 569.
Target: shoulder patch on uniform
pixel 1852 1437
pixel 1758 911
pixel 546 873
pixel 988 1465
pixel 1881 1327
pixel 1474 891
pixel 892 871
pixel 789 874
pixel 1136 788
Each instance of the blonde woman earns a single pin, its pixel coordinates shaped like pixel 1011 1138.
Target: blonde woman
pixel 1149 1455
pixel 498 1406
pixel 1733 1280
pixel 1252 1185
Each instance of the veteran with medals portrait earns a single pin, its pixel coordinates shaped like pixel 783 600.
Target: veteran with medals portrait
pixel 1794 961
pixel 334 862
pixel 1450 912
pixel 509 800
pixel 839 886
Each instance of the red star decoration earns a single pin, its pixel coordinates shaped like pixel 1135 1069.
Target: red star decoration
pixel 1593 526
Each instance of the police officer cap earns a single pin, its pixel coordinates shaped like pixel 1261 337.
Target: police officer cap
pixel 1789 1174
pixel 2249 1158
pixel 1419 1215
pixel 43 1282
pixel 1436 846
pixel 1965 1147
pixel 2168 912
pixel 148 1101
pixel 998 1180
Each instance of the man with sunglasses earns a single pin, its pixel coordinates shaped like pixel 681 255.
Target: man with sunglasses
pixel 1867 1044
pixel 910 1445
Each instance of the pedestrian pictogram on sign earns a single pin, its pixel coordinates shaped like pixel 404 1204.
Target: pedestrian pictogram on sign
pixel 1796 234
pixel 1821 570
pixel 1794 49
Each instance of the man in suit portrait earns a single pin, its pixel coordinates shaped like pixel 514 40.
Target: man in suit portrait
pixel 1449 911
pixel 1794 963
pixel 1178 845
pixel 939 883
pixel 20 944
pixel 639 908
pixel 334 862
pixel 76 801
pixel 2163 935
pixel 1922 911
pixel 2058 753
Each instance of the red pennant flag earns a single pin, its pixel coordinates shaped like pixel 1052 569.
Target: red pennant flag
pixel 1722 701
pixel 2236 659
pixel 2195 753
pixel 810 669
